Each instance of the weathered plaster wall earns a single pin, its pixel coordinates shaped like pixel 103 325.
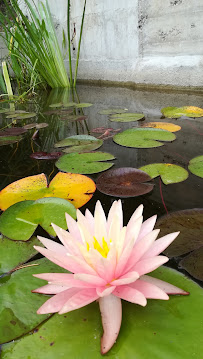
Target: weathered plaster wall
pixel 141 41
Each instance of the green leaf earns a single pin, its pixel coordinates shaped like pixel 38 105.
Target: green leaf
pixel 80 105
pixel 196 166
pixel 7 140
pixel 13 253
pixel 143 137
pixel 176 112
pixel 110 111
pixel 127 117
pixel 171 329
pixel 79 143
pixel 86 163
pixel 169 173
pixel 22 116
pixel 18 305
pixel 20 220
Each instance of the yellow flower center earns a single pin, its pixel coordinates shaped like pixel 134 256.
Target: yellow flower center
pixel 103 250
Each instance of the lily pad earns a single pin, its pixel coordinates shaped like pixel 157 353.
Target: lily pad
pixel 193 263
pixel 169 173
pixel 73 118
pixel 143 137
pixel 30 126
pixel 75 188
pixel 163 125
pixel 20 220
pixel 46 155
pixel 176 112
pixel 110 111
pixel 8 140
pixel 158 325
pixel 196 166
pixel 22 116
pixel 18 305
pixel 13 131
pixel 190 224
pixel 124 182
pixel 87 163
pixel 127 117
pixel 81 105
pixel 79 143
pixel 61 104
pixel 14 253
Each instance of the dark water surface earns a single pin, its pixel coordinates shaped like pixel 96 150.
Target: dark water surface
pixel 15 161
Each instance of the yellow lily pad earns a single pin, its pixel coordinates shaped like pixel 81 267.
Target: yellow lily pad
pixel 77 189
pixel 163 125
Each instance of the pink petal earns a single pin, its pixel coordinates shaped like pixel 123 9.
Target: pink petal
pixel 104 291
pixel 67 240
pixel 100 227
pixel 140 248
pixel 160 245
pixel 147 227
pixel 137 214
pixel 79 300
pixel 111 313
pixel 130 294
pixel 73 227
pixel 116 209
pixel 90 220
pixel 50 289
pixel 166 287
pixel 149 290
pixel 133 230
pixel 148 265
pixel 91 279
pixel 55 303
pixel 50 277
pixel 52 245
pixel 130 277
pixel 63 279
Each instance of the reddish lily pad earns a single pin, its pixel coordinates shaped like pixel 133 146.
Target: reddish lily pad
pixel 76 188
pixel 124 182
pixel 196 166
pixel 13 131
pixel 30 126
pixel 190 224
pixel 86 163
pixel 193 263
pixel 168 172
pixel 143 137
pixel 79 143
pixel 46 155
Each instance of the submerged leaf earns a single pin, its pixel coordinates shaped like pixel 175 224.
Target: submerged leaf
pixel 79 143
pixel 76 188
pixel 190 224
pixel 163 337
pixel 143 137
pixel 169 173
pixel 196 166
pixel 163 125
pixel 124 182
pixel 87 163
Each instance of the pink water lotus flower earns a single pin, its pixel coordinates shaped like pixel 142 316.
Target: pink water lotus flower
pixel 108 262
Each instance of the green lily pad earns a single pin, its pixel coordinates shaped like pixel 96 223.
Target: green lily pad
pixel 190 224
pixel 196 166
pixel 79 143
pixel 20 220
pixel 171 329
pixel 193 263
pixel 7 140
pixel 176 112
pixel 14 253
pixel 85 163
pixel 127 117
pixel 143 137
pixel 4 110
pixel 169 173
pixel 110 111
pixel 61 104
pixel 21 116
pixel 80 105
pixel 73 118
pixel 18 305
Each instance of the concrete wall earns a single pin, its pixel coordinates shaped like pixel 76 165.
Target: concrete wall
pixel 141 41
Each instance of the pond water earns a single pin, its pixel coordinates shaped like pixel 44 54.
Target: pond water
pixel 16 163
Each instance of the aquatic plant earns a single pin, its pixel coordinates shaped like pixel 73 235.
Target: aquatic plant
pixel 108 262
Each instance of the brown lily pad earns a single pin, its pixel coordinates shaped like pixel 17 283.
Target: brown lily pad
pixel 13 131
pixel 124 182
pixel 193 263
pixel 190 224
pixel 46 155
